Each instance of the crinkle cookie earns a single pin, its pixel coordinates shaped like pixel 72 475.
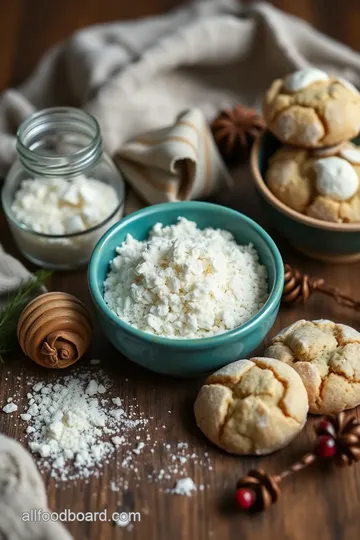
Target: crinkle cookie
pixel 310 108
pixel 252 406
pixel 324 184
pixel 326 355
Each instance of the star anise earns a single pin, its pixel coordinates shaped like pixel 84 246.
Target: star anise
pixel 234 131
pixel 345 433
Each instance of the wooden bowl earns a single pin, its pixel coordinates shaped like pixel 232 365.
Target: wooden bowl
pixel 321 240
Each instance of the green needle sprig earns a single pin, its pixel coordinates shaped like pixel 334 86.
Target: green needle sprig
pixel 9 316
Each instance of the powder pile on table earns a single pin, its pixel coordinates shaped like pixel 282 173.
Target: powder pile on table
pixel 183 282
pixel 75 426
pixel 69 420
pixel 184 486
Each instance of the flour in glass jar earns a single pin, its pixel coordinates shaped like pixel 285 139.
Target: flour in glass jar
pixel 58 206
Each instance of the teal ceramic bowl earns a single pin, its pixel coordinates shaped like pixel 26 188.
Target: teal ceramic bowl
pixel 322 240
pixel 191 356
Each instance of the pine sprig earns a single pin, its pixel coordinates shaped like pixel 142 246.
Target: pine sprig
pixel 9 316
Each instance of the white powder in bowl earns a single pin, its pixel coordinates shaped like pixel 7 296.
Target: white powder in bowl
pixel 183 282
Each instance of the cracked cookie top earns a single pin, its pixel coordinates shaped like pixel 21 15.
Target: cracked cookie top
pixel 326 355
pixel 311 109
pixel 252 406
pixel 324 184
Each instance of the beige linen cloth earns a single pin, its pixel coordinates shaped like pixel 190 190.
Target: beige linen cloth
pixel 22 491
pixel 12 273
pixel 138 77
pixel 176 163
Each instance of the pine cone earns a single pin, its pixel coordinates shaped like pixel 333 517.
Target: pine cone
pixel 264 487
pixel 346 434
pixel 298 287
pixel 234 131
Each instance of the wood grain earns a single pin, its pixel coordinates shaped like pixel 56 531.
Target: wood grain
pixel 320 503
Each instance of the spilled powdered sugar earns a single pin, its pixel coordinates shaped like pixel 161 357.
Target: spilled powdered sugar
pixel 10 408
pixel 177 461
pixel 184 486
pixel 74 427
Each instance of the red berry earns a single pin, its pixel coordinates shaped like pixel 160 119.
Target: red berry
pixel 245 498
pixel 326 447
pixel 325 426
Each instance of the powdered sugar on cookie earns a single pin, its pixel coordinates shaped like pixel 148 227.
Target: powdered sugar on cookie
pixel 336 178
pixel 348 85
pixel 309 133
pixel 313 109
pixel 350 154
pixel 300 79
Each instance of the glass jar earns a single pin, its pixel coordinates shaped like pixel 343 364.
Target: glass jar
pixel 63 146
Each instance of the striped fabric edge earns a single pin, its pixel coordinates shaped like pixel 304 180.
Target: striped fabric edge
pixel 141 170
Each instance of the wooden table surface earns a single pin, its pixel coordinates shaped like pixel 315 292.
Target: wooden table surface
pixel 320 503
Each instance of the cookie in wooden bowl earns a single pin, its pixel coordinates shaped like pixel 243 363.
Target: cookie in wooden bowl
pixel 310 108
pixel 326 355
pixel 252 406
